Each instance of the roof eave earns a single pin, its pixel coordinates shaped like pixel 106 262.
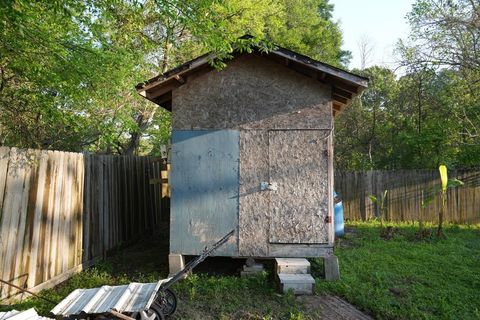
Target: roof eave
pixel 345 85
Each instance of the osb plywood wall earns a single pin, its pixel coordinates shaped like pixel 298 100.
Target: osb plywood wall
pixel 251 93
pixel 255 95
pixel 61 210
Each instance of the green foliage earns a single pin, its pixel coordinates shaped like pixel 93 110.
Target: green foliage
pixel 68 68
pixel 420 120
pixel 382 203
pixel 431 114
pixel 408 279
pixel 433 192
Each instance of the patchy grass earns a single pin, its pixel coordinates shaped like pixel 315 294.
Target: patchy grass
pixel 402 278
pixel 200 296
pixel 405 278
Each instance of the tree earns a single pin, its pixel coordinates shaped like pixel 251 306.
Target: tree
pixel 445 33
pixel 68 68
pixel 365 48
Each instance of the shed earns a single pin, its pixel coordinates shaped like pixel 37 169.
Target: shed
pixel 252 150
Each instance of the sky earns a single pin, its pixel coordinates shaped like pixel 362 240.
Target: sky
pixel 381 22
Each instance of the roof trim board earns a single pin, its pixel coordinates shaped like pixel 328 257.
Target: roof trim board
pixel 345 85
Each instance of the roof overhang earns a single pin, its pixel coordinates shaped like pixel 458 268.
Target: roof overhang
pixel 345 85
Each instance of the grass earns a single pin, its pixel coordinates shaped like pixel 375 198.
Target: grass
pixel 402 278
pixel 201 296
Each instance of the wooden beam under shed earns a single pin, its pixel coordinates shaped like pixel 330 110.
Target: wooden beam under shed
pixel 300 68
pixel 165 100
pixel 321 76
pixel 154 93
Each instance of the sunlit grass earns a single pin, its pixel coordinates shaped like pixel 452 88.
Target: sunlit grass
pixel 408 278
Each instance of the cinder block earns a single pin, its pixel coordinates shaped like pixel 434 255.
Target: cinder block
pixel 176 263
pixel 292 266
pixel 258 267
pixel 298 283
pixel 251 268
pixel 332 270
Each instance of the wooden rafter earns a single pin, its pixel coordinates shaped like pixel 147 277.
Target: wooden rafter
pixel 339 99
pixel 342 93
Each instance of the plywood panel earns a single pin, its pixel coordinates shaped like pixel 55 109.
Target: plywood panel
pixel 298 164
pixel 254 212
pixel 204 181
pixel 252 93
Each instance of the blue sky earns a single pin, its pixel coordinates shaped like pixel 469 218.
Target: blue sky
pixel 381 21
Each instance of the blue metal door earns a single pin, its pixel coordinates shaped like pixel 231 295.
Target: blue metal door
pixel 204 190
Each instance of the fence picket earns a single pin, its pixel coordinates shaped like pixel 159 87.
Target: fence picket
pixel 60 210
pixel 406 190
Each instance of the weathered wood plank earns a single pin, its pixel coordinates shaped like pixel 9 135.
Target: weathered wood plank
pixel 4 159
pixel 37 217
pixel 59 209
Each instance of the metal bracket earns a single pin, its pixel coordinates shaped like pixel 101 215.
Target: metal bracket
pixel 271 186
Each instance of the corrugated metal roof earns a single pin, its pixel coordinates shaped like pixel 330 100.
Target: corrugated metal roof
pixel 133 297
pixel 29 314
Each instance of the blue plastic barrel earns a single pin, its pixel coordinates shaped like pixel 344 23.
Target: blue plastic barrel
pixel 338 219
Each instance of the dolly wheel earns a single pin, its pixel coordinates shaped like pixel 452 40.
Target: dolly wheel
pixel 165 303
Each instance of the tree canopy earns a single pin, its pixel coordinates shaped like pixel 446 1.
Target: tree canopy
pixel 68 68
pixel 431 114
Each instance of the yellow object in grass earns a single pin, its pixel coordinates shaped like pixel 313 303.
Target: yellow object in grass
pixel 443 177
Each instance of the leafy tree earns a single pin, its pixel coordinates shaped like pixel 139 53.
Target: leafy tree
pixel 431 114
pixel 68 68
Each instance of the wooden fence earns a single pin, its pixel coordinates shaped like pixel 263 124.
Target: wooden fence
pixel 406 191
pixel 60 211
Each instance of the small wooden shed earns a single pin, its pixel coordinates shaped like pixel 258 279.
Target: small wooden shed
pixel 252 151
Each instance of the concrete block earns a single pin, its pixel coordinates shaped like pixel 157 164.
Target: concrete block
pixel 176 262
pixel 332 270
pixel 298 283
pixel 258 267
pixel 292 266
pixel 251 268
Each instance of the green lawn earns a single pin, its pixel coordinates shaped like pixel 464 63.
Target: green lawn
pixel 401 278
pixel 404 278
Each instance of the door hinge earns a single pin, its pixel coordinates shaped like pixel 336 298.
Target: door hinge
pixel 328 219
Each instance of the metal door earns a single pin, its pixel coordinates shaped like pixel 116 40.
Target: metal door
pixel 204 182
pixel 299 169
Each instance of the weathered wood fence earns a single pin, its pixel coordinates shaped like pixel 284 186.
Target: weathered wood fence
pixel 406 191
pixel 60 211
